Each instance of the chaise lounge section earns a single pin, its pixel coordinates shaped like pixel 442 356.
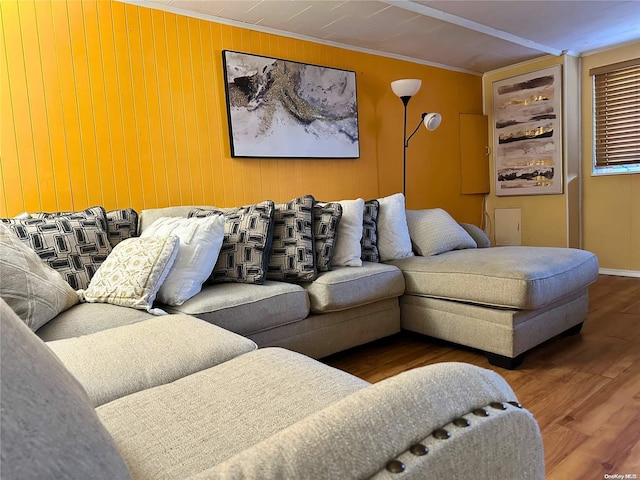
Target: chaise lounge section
pixel 501 300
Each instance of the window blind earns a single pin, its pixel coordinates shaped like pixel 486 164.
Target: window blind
pixel 617 113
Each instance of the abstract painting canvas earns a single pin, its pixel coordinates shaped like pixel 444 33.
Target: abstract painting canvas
pixel 283 109
pixel 527 113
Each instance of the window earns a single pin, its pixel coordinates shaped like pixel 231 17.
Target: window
pixel 616 97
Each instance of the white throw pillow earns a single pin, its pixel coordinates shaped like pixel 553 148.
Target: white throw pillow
pixel 393 234
pixel 200 243
pixel 133 272
pixel 434 231
pixel 348 247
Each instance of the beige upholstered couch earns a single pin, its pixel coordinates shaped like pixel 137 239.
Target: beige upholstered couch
pixel 500 300
pixel 342 308
pixel 115 392
pixel 213 407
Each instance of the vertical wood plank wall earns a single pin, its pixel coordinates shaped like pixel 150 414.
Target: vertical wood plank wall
pixel 105 103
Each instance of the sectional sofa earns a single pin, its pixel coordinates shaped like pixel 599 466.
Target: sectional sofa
pixel 143 395
pixel 126 394
pixel 436 278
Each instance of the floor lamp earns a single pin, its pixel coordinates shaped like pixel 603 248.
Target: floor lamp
pixel 405 89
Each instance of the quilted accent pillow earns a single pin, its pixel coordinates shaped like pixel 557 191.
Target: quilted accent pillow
pixel 121 224
pixel 200 242
pixel 394 241
pixel 292 257
pixel 348 250
pixel 248 232
pixel 74 244
pixel 131 276
pixel 326 219
pixel 434 231
pixel 33 290
pixel 369 242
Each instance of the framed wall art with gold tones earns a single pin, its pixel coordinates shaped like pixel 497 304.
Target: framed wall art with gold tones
pixel 284 109
pixel 527 142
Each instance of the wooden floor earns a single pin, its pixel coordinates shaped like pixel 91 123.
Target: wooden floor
pixel 583 390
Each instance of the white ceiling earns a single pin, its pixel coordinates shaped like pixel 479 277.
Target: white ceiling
pixel 475 36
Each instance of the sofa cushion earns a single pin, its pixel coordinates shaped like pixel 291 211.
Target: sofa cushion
pixel 248 232
pixel 326 222
pixel 514 277
pixel 87 318
pixel 434 231
pixel 117 362
pixel 49 427
pixel 369 242
pixel 245 308
pixel 133 273
pixel 345 287
pixel 292 254
pixel 73 243
pixel 322 334
pixel 35 291
pixel 121 224
pixel 236 404
pixel 393 234
pixel 348 249
pixel 197 253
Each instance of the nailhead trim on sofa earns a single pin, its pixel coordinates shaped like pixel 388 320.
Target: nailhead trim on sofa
pixel 442 434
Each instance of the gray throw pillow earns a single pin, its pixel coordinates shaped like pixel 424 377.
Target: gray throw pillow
pixel 35 291
pixel 48 425
pixel 434 231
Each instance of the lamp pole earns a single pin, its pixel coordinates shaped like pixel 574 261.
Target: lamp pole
pixel 405 100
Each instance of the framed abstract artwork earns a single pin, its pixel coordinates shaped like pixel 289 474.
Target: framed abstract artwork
pixel 527 115
pixel 283 109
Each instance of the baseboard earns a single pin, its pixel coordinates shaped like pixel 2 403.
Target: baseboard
pixel 619 273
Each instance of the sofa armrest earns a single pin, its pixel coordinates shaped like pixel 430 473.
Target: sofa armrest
pixel 123 360
pixel 359 435
pixel 478 235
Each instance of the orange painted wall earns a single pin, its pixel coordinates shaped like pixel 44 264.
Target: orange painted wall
pixel 113 104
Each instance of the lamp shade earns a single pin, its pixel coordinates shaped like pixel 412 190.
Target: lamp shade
pixel 431 121
pixel 407 87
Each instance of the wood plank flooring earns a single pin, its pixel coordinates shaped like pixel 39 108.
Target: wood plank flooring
pixel 583 390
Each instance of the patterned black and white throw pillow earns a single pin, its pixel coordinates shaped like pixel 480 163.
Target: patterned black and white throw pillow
pixel 292 256
pixel 248 232
pixel 122 224
pixel 326 220
pixel 73 243
pixel 369 240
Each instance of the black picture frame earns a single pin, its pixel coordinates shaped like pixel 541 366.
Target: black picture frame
pixel 284 109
